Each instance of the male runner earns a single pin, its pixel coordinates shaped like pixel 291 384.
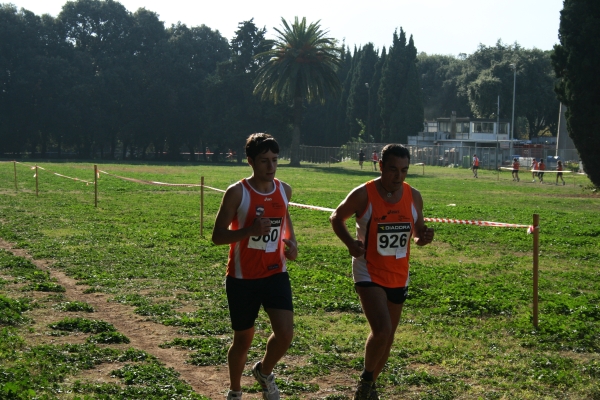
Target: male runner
pixel 515 169
pixel 542 168
pixel 254 220
pixel 375 159
pixel 361 158
pixel 534 169
pixel 388 212
pixel 559 167
pixel 475 165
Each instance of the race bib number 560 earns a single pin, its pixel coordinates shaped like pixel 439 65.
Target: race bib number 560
pixel 267 243
pixel 392 238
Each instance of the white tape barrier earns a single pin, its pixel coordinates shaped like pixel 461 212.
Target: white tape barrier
pixel 530 228
pixel 55 173
pixel 151 182
pixel 317 208
pixel 536 170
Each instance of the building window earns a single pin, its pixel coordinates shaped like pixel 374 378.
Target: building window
pixel 483 127
pixel 444 126
pixel 462 127
pixel 503 128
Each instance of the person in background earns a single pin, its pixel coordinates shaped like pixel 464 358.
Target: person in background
pixel 375 159
pixel 515 170
pixel 475 165
pixel 388 213
pixel 542 168
pixel 534 169
pixel 559 174
pixel 254 221
pixel 361 158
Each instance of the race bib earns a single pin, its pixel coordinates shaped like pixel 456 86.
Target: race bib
pixel 392 238
pixel 267 243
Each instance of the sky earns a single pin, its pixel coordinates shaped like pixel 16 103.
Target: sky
pixel 446 27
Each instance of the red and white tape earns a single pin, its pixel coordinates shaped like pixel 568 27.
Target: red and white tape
pixel 530 228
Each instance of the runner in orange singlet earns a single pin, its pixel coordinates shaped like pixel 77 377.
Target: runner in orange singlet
pixel 559 167
pixel 388 213
pixel 534 169
pixel 542 168
pixel 375 159
pixel 254 220
pixel 515 170
pixel 475 165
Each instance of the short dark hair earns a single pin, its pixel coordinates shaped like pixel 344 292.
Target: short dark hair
pixel 396 150
pixel 259 143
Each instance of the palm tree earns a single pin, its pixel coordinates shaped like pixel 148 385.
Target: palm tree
pixel 301 64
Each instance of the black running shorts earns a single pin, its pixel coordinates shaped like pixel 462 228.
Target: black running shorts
pixel 245 296
pixel 395 295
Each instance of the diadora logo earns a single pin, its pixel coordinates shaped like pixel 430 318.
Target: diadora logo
pixel 268 199
pixel 393 212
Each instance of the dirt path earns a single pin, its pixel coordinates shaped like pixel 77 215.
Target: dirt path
pixel 146 335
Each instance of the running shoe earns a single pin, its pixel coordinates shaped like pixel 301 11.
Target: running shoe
pixel 232 395
pixel 366 391
pixel 269 387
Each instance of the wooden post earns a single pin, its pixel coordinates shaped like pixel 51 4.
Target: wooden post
pixel 95 185
pixel 36 180
pixel 536 250
pixel 423 168
pixel 15 165
pixel 201 206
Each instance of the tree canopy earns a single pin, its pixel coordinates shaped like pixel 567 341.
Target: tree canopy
pixel 576 60
pixel 301 65
pixel 99 81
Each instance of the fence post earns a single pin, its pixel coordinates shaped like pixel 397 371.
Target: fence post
pixel 201 206
pixel 15 166
pixel 95 185
pixel 36 180
pixel 536 246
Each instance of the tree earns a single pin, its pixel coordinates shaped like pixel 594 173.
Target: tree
pixel 576 60
pixel 439 80
pixel 358 98
pixel 231 108
pixel 374 122
pixel 301 65
pixel 400 92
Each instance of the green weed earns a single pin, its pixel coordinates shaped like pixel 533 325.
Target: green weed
pixel 82 325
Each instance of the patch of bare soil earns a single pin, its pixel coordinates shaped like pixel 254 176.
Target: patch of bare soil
pixel 212 381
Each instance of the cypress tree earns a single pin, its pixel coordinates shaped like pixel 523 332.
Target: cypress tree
pixel 374 122
pixel 358 97
pixel 400 92
pixel 576 60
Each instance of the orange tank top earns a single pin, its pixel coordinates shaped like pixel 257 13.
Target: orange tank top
pixel 259 256
pixel 386 230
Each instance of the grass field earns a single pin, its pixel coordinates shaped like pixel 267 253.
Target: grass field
pixel 466 330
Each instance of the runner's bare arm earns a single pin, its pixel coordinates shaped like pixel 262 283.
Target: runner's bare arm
pixel 291 251
pixel 229 205
pixel 353 204
pixel 422 234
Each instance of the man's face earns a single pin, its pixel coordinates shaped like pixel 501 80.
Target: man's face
pixel 393 172
pixel 264 165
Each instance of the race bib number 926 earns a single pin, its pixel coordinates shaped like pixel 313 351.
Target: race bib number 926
pixel 392 238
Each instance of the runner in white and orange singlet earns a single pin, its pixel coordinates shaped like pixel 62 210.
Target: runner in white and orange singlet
pixel 534 169
pixel 388 213
pixel 254 220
